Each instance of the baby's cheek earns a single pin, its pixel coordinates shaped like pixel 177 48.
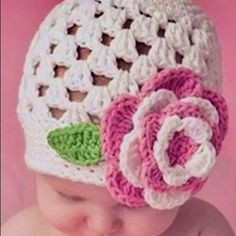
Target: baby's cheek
pixel 71 225
pixel 149 222
pixel 64 218
pixel 67 222
pixel 144 228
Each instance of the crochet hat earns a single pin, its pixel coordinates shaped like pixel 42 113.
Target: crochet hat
pixel 125 94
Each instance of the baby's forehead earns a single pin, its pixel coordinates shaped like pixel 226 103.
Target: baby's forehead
pixel 83 190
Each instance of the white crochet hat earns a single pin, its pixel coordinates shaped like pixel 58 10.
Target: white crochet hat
pixel 87 53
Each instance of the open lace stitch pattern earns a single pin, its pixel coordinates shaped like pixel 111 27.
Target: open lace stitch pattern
pixel 86 53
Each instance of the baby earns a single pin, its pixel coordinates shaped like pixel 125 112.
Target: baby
pixel 123 116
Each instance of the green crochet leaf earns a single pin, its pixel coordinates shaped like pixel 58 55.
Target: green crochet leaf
pixel 79 143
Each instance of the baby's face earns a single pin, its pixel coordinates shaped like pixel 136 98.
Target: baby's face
pixel 78 209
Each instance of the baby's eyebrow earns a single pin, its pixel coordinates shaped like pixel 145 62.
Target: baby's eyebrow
pixel 77 197
pixel 71 196
pixel 66 191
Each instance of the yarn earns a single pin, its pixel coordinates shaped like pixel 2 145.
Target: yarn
pixel 79 144
pixel 164 143
pixel 90 56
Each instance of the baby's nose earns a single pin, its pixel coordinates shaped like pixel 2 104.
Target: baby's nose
pixel 104 222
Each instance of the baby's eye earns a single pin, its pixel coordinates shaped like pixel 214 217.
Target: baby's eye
pixel 70 197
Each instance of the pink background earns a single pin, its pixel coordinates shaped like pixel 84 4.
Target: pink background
pixel 20 20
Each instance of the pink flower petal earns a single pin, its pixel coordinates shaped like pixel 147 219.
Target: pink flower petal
pixel 182 110
pixel 208 110
pixel 182 81
pixel 151 174
pixel 220 104
pixel 117 122
pixel 122 190
pixel 130 158
pixel 181 148
pixel 167 200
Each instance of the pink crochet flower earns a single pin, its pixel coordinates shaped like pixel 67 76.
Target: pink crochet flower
pixel 161 145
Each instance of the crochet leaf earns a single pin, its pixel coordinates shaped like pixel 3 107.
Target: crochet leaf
pixel 79 144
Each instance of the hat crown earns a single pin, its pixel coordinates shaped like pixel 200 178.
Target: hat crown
pixel 86 53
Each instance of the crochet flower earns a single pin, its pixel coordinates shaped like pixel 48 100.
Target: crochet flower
pixel 161 145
